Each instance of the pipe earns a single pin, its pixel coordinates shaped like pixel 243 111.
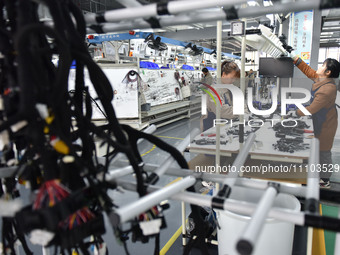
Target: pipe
pixel 230 180
pixel 184 230
pixel 134 209
pixel 150 10
pixel 313 189
pixel 163 21
pixel 256 11
pixel 127 170
pixel 248 239
pixel 244 208
pixel 293 189
pixel 207 16
pixel 337 240
pixel 218 106
pixel 243 84
pixel 170 160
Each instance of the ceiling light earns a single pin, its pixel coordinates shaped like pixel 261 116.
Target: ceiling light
pixel 252 3
pixel 326 28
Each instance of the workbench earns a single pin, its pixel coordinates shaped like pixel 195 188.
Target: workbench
pixel 262 149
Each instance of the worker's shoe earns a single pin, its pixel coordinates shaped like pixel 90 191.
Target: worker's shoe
pixel 324 184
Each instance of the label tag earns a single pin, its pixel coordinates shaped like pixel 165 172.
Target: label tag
pixel 150 227
pixel 41 237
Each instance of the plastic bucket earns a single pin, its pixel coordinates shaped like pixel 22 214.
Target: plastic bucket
pixel 276 236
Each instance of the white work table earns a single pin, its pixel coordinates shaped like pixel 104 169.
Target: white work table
pixel 262 149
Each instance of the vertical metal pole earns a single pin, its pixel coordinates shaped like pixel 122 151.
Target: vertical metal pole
pixel 337 239
pixel 141 94
pixel 243 80
pixel 184 231
pixel 279 34
pixel 103 55
pixel 219 48
pixel 218 107
pixel 45 251
pixel 312 192
pixel 252 231
pixel 309 241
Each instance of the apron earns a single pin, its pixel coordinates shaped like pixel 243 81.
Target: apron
pixel 320 117
pixel 208 122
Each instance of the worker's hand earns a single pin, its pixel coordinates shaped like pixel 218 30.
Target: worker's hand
pixel 293 55
pixel 292 114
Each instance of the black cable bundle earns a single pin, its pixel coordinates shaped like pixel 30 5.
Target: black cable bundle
pixel 52 129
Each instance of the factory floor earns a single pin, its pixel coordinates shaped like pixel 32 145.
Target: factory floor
pixel 172 134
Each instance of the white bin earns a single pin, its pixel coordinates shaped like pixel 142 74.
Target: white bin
pixel 276 236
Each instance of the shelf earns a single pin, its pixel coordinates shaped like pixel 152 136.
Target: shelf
pixel 164 108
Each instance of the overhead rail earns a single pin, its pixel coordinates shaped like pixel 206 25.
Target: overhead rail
pixel 157 9
pixel 265 41
pixel 142 35
pixel 193 13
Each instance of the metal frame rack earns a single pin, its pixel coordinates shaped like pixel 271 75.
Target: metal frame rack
pixel 258 212
pixel 173 13
pixel 222 201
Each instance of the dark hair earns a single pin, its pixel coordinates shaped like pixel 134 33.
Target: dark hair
pixel 333 66
pixel 205 70
pixel 229 66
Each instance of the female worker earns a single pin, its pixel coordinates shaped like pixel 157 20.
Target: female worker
pixel 323 110
pixel 230 75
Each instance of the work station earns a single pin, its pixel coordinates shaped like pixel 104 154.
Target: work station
pixel 170 127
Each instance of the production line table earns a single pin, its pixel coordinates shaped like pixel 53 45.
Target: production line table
pixel 262 149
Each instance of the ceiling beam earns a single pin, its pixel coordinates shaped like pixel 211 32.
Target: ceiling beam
pixel 325 45
pixel 199 34
pixel 330 30
pixel 332 19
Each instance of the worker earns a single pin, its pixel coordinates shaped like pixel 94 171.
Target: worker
pixel 323 110
pixel 230 75
pixel 207 77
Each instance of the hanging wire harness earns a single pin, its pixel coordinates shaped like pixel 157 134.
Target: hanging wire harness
pixel 50 136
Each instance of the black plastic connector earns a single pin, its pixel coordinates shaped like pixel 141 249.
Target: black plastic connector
pixel 49 218
pixel 218 201
pixel 153 178
pixel 312 205
pixel 324 222
pixel 162 8
pixel 244 247
pixel 71 238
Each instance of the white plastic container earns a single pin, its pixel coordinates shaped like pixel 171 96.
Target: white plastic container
pixel 276 236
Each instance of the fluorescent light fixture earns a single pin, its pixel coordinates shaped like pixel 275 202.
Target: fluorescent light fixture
pixel 252 3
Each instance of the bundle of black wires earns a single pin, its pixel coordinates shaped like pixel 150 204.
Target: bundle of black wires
pixel 51 129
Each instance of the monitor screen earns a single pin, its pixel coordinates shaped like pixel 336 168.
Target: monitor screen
pixel 276 67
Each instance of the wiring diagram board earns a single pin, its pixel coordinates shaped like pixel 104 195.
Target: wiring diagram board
pixel 162 86
pixel 125 84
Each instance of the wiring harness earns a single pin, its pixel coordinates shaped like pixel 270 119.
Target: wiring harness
pixel 48 135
